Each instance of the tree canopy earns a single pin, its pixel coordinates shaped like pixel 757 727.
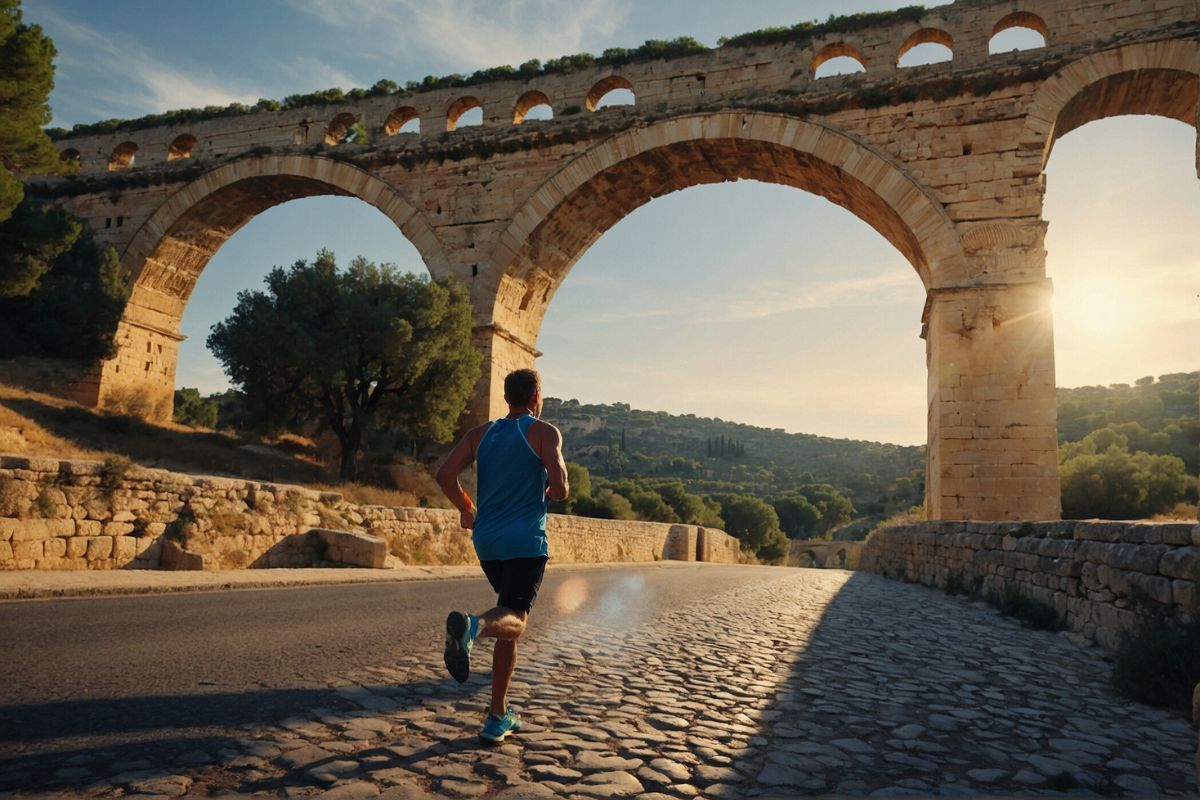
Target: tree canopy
pixel 345 350
pixel 26 78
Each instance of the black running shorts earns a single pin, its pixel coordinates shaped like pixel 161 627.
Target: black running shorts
pixel 516 581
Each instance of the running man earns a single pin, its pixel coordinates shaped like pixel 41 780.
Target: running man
pixel 520 466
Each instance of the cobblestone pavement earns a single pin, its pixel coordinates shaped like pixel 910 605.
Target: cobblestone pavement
pixel 804 682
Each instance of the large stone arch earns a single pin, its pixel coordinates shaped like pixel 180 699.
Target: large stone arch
pixel 598 188
pixel 1159 78
pixel 167 254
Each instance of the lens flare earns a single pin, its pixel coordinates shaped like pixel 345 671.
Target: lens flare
pixel 570 595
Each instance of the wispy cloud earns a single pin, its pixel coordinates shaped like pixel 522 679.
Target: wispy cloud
pixel 774 297
pixel 123 78
pixel 470 34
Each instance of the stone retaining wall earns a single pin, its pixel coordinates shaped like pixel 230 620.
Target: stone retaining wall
pixel 90 515
pixel 1103 578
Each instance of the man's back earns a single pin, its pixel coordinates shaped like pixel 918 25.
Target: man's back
pixel 510 521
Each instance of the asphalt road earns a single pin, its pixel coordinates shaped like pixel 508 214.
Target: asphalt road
pixel 108 673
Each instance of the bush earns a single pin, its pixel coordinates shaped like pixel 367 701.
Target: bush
pixel 195 411
pixel 1159 664
pixel 113 472
pixel 1035 614
pixel 45 505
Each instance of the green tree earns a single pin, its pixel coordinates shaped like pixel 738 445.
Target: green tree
pixel 73 310
pixel 1117 484
pixel 580 481
pixel 26 79
pixel 605 504
pixel 349 349
pixel 798 518
pixel 752 521
pixel 194 410
pixel 31 238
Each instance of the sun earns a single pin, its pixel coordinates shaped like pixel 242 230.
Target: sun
pixel 1099 310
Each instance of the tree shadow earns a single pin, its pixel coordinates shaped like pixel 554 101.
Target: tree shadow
pixel 37 739
pixel 158 446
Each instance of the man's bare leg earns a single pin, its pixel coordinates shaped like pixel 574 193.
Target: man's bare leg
pixel 505 626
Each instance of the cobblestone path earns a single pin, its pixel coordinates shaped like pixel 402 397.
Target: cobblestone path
pixel 803 682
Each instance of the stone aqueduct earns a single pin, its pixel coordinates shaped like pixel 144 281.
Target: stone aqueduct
pixel 945 161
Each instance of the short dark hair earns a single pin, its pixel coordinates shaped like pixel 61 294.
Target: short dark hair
pixel 520 386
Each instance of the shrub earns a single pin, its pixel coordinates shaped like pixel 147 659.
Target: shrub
pixel 193 410
pixel 113 472
pixel 1035 614
pixel 1159 664
pixel 954 584
pixel 10 497
pixel 180 529
pixel 45 505
pixel 128 402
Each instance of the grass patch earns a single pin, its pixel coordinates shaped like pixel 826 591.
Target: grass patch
pixel 10 496
pixel 1159 664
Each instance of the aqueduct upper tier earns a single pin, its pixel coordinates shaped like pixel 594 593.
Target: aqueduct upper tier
pixel 944 160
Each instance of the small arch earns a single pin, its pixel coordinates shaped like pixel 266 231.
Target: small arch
pixel 610 84
pixel 181 147
pixel 70 156
pixel 123 156
pixel 403 120
pixel 836 59
pixel 529 101
pixel 926 46
pixel 459 107
pixel 1019 31
pixel 339 129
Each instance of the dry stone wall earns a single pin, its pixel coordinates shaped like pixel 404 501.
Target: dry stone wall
pixel 1103 578
pixel 90 515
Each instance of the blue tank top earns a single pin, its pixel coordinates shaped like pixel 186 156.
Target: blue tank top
pixel 510 518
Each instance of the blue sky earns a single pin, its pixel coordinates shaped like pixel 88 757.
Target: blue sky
pixel 762 304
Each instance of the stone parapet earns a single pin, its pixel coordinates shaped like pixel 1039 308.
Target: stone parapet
pixel 57 514
pixel 1103 578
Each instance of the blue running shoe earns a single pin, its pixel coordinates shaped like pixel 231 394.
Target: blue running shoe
pixel 461 630
pixel 496 729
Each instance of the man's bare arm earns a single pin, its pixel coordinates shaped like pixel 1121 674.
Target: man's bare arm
pixel 550 449
pixel 460 458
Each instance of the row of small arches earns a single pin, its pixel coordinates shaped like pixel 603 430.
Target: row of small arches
pixel 613 90
pixel 1021 30
pixel 928 45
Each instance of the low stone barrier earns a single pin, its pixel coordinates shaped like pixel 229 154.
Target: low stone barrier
pixel 57 514
pixel 1103 578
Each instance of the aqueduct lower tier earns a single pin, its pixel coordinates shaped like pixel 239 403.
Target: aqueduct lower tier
pixel 945 161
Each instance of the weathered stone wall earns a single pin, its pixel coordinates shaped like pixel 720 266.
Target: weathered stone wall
pixel 91 515
pixel 1103 578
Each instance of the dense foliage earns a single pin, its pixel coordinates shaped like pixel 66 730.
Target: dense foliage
pixel 196 411
pixel 61 290
pixel 1129 452
pixel 653 49
pixel 346 350
pixel 26 78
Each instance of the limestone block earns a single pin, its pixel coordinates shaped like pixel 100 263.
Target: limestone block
pixel 1185 595
pixel 175 557
pixel 1136 558
pixel 1182 562
pixel 6 552
pixel 88 527
pixel 118 528
pixel 7 526
pixel 353 548
pixel 77 547
pixel 125 548
pixel 1153 587
pixel 55 548
pixel 40 529
pixel 100 548
pixel 28 551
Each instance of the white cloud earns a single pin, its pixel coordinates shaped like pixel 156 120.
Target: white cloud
pixel 774 297
pixel 124 79
pixel 471 34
